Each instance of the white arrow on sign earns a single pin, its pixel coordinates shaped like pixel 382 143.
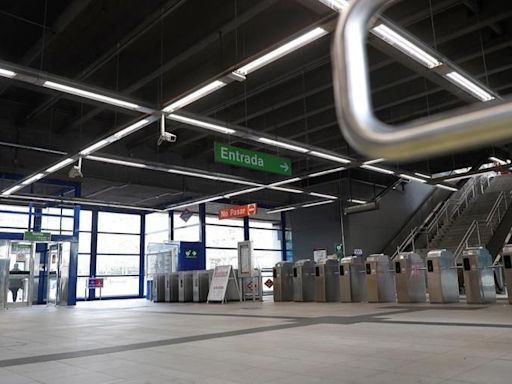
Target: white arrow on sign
pixel 285 167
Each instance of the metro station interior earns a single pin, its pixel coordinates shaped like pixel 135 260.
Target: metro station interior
pixel 256 191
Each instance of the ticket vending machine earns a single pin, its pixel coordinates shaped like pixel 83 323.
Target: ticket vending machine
pixel 410 278
pixel 478 276
pixel 507 269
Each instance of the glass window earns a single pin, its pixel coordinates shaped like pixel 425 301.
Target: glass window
pixel 81 285
pixel 180 223
pixel 14 220
pixel 118 244
pixel 84 242
pixel 117 265
pixel 225 237
pixel 118 222
pixel 187 233
pixel 53 223
pixel 266 259
pixel 265 238
pixel 157 222
pixel 14 208
pixel 216 257
pixel 264 224
pixel 85 221
pixel 216 220
pixel 120 286
pixel 84 262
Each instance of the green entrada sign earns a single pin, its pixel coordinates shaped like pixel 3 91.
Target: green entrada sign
pixel 37 236
pixel 250 159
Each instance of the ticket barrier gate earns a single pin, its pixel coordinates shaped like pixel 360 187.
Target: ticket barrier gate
pixel 186 287
pixel 171 287
pixel 283 281
pixel 201 283
pixel 159 287
pixel 442 277
pixel 410 278
pixel 304 280
pixel 353 286
pixel 327 279
pixel 507 270
pixel 478 276
pixel 380 279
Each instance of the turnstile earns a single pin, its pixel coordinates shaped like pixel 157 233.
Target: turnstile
pixel 442 279
pixel 172 287
pixel 159 287
pixel 380 279
pixel 186 287
pixel 353 287
pixel 201 282
pixel 304 280
pixel 283 281
pixel 410 278
pixel 507 270
pixel 327 279
pixel 478 276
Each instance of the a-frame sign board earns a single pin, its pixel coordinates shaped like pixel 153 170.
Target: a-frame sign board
pixel 224 285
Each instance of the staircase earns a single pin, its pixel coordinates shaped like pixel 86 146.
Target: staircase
pixel 476 225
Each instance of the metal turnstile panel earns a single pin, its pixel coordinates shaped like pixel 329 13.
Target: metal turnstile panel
pixel 304 280
pixel 507 270
pixel 442 278
pixel 380 279
pixel 478 276
pixel 159 287
pixel 353 285
pixel 283 281
pixel 410 278
pixel 327 277
pixel 185 289
pixel 201 282
pixel 172 287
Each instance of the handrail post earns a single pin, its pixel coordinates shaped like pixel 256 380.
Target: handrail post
pixel 478 234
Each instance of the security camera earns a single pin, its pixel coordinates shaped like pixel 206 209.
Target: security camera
pixel 165 136
pixel 76 170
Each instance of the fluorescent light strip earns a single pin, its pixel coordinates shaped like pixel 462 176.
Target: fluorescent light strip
pixel 7 73
pixel 59 165
pixel 329 157
pixel 201 124
pixel 317 203
pixel 130 129
pixel 194 96
pixel 337 5
pixel 469 86
pixel 117 162
pixel 95 147
pixel 323 195
pixel 499 161
pixel 281 210
pixel 377 169
pixel 276 143
pixel 30 180
pixel 12 189
pixel 291 190
pixel 422 175
pixel 295 179
pixel 404 45
pixel 412 178
pixel 327 172
pixel 229 195
pixel 357 201
pixel 375 161
pixel 89 95
pixel 447 187
pixel 196 202
pixel 281 51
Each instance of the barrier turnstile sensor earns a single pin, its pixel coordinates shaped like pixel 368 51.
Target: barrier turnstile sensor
pixel 478 276
pixel 507 270
pixel 442 280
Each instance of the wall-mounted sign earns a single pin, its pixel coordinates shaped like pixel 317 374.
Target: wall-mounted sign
pixel 37 236
pixel 239 211
pixel 338 250
pixel 260 161
pixel 94 282
pixel 191 253
pixel 186 215
pixel 319 254
pixel 358 252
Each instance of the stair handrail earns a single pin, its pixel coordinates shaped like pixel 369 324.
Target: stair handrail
pixel 496 211
pixel 464 243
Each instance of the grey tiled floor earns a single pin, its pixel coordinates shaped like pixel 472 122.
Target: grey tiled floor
pixel 136 342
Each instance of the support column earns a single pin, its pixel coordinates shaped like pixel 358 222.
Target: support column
pixel 202 228
pixel 283 237
pixel 94 246
pixel 171 225
pixel 142 259
pixel 246 229
pixel 73 257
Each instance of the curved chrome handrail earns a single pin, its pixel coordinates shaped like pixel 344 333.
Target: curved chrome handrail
pixel 419 138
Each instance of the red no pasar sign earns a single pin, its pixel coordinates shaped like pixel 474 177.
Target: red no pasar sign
pixel 239 211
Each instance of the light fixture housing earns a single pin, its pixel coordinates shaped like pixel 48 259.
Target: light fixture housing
pixel 60 165
pixel 326 172
pixel 327 156
pixel 323 195
pixel 7 73
pixel 194 96
pixel 281 210
pixel 377 169
pixel 201 124
pixel 469 86
pixel 412 178
pixel 281 144
pixel 447 187
pixel 317 203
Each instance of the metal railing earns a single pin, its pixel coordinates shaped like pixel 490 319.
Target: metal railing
pixel 493 219
pixel 443 213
